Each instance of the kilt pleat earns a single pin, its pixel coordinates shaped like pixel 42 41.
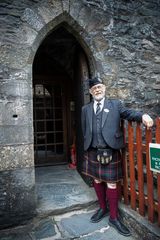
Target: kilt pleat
pixel 111 172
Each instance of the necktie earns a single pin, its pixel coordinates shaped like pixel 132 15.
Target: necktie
pixel 98 109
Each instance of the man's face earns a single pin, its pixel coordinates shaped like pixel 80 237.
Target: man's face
pixel 98 91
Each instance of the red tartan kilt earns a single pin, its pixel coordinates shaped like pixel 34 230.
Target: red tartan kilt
pixel 111 172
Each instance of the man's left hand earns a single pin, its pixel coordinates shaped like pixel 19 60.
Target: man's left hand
pixel 147 121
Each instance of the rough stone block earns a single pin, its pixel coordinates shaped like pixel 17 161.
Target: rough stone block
pixel 18 201
pixel 16 156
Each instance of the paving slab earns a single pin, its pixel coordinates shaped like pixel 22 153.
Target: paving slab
pixel 16 236
pixel 61 189
pixel 79 225
pixel 45 229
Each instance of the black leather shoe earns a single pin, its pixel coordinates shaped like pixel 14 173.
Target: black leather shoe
pixel 101 213
pixel 119 226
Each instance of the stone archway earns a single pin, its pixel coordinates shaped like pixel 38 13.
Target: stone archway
pixel 60 64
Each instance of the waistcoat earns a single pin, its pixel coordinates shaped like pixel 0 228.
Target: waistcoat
pixel 97 138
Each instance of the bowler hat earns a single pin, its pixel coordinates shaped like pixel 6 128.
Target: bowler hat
pixel 94 81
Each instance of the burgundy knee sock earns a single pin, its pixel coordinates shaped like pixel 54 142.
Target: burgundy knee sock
pixel 100 189
pixel 112 196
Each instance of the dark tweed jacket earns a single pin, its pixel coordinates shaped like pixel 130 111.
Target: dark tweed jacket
pixel 113 112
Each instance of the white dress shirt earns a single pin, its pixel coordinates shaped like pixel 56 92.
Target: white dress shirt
pixel 95 104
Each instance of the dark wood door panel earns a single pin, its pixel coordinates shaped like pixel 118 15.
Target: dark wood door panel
pixel 49 123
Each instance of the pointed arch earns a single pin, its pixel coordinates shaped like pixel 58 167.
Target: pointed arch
pixel 71 26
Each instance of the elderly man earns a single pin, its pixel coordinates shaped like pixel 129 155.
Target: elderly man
pixel 103 139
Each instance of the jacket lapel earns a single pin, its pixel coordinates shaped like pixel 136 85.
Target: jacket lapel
pixel 90 114
pixel 106 110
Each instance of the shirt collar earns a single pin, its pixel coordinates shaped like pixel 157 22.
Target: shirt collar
pixel 102 102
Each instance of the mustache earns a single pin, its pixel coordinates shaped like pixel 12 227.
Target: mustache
pixel 99 97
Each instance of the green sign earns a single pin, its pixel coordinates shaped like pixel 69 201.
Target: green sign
pixel 154 154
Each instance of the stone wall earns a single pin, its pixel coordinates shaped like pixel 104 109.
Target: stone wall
pixel 121 40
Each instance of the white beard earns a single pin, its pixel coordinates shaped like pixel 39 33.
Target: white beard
pixel 99 97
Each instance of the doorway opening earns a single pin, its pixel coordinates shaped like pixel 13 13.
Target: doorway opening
pixel 60 69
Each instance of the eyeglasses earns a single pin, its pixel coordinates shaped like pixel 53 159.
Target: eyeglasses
pixel 97 87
